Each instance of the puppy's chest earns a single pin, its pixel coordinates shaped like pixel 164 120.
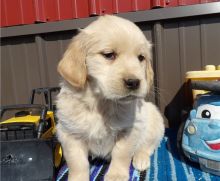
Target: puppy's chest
pixel 99 130
pixel 101 139
pixel 102 129
pixel 100 125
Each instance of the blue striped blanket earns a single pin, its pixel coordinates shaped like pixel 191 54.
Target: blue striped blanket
pixel 167 164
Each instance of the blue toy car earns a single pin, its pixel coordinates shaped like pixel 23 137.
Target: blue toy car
pixel 201 133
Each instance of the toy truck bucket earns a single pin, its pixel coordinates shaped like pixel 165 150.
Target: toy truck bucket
pixel 210 74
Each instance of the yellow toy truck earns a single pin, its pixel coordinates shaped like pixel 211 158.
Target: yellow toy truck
pixel 29 150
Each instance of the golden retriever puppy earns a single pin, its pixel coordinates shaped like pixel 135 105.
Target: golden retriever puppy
pixel 101 108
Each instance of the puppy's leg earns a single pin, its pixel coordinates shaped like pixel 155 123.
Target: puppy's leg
pixel 152 136
pixel 121 158
pixel 141 159
pixel 119 166
pixel 76 155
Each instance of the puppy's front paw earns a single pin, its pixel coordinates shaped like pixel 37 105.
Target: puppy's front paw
pixel 141 161
pixel 117 176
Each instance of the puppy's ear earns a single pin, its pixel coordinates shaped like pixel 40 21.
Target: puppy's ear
pixel 72 67
pixel 149 74
pixel 149 69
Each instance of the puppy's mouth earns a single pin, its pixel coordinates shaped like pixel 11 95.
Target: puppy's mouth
pixel 128 98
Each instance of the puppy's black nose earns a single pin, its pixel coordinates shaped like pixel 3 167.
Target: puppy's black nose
pixel 132 84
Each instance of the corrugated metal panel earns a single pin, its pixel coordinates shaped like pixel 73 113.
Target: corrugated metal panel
pixel 71 9
pixel 16 12
pixel 179 45
pixel 51 10
pixel 99 7
pixel 20 69
pixel 46 10
pixel 3 14
pixel 139 5
pixel 173 3
pixel 122 6
pixel 30 62
pixel 210 33
pixel 181 48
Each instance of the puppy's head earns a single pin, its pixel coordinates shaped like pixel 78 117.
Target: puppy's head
pixel 113 55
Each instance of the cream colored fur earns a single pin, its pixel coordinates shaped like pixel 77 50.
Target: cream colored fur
pixel 97 114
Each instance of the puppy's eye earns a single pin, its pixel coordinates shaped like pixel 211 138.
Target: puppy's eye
pixel 110 55
pixel 141 58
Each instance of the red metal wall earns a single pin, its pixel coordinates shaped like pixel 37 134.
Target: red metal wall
pixel 18 12
pixel 51 10
pixel 14 12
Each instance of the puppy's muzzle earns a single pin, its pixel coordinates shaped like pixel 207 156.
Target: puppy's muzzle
pixel 132 84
